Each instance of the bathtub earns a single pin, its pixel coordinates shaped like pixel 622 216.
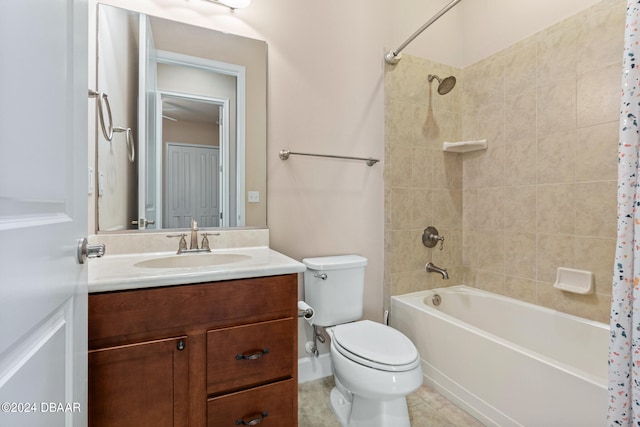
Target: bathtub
pixel 507 362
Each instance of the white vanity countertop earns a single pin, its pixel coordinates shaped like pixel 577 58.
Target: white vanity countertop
pixel 118 272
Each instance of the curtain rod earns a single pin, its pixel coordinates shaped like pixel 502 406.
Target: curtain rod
pixel 393 56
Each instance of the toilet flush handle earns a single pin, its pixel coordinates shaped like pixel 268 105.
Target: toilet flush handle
pixel 320 276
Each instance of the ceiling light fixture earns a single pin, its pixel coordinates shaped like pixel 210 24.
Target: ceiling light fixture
pixel 232 4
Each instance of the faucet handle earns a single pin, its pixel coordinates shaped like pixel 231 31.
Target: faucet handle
pixel 430 238
pixel 205 240
pixel 182 244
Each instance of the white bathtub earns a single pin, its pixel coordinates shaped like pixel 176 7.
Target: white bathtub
pixel 507 362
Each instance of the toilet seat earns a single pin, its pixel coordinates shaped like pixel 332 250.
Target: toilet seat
pixel 375 345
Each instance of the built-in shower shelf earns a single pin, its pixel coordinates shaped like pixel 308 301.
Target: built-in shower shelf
pixel 464 146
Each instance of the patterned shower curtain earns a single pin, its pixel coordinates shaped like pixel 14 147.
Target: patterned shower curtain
pixel 624 351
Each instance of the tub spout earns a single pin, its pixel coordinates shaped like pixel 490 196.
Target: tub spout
pixel 431 268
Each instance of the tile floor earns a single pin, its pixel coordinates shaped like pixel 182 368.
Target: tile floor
pixel 427 408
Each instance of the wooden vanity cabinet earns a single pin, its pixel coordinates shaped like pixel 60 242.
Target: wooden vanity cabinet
pixel 209 354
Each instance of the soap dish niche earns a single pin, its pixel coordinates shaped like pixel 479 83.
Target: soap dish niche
pixel 576 281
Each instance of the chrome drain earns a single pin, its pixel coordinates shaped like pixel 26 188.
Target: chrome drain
pixel 436 300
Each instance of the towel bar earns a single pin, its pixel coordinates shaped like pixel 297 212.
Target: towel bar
pixel 284 155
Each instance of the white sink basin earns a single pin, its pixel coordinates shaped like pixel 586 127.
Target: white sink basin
pixel 192 260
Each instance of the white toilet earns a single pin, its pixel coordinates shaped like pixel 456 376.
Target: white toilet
pixel 375 366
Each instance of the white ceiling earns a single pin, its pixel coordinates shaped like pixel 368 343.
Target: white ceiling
pixel 476 29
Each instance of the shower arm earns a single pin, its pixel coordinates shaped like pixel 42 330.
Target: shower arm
pixel 393 56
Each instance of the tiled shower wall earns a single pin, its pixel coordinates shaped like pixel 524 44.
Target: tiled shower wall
pixel 543 195
pixel 423 185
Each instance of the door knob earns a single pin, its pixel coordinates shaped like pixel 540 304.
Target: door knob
pixel 85 250
pixel 143 222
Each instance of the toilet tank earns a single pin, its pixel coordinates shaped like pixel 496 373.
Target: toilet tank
pixel 334 288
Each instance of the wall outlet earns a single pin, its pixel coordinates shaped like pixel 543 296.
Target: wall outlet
pixel 253 197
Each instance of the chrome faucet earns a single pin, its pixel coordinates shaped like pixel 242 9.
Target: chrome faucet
pixel 431 268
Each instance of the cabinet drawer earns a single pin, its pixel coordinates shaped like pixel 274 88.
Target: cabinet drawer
pixel 273 405
pixel 130 316
pixel 248 355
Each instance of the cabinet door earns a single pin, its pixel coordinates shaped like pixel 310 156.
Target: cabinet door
pixel 143 384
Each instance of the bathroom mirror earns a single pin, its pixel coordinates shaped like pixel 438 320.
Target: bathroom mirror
pixel 188 110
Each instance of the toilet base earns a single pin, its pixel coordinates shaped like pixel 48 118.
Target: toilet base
pixel 360 412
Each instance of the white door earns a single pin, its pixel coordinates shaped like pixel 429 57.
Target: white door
pixel 192 185
pixel 208 198
pixel 43 210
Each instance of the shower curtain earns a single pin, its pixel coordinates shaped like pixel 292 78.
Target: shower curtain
pixel 624 351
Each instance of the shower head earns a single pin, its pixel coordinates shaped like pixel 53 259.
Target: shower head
pixel 445 85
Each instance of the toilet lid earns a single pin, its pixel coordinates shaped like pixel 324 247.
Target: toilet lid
pixel 375 345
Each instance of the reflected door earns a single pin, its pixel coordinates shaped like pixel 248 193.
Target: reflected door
pixel 192 185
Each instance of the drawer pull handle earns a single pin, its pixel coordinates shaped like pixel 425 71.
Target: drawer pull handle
pixel 181 345
pixel 252 356
pixel 253 421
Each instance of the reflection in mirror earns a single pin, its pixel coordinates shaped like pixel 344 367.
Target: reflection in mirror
pixel 195 100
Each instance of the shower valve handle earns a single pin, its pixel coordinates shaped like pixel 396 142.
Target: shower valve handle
pixel 430 238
